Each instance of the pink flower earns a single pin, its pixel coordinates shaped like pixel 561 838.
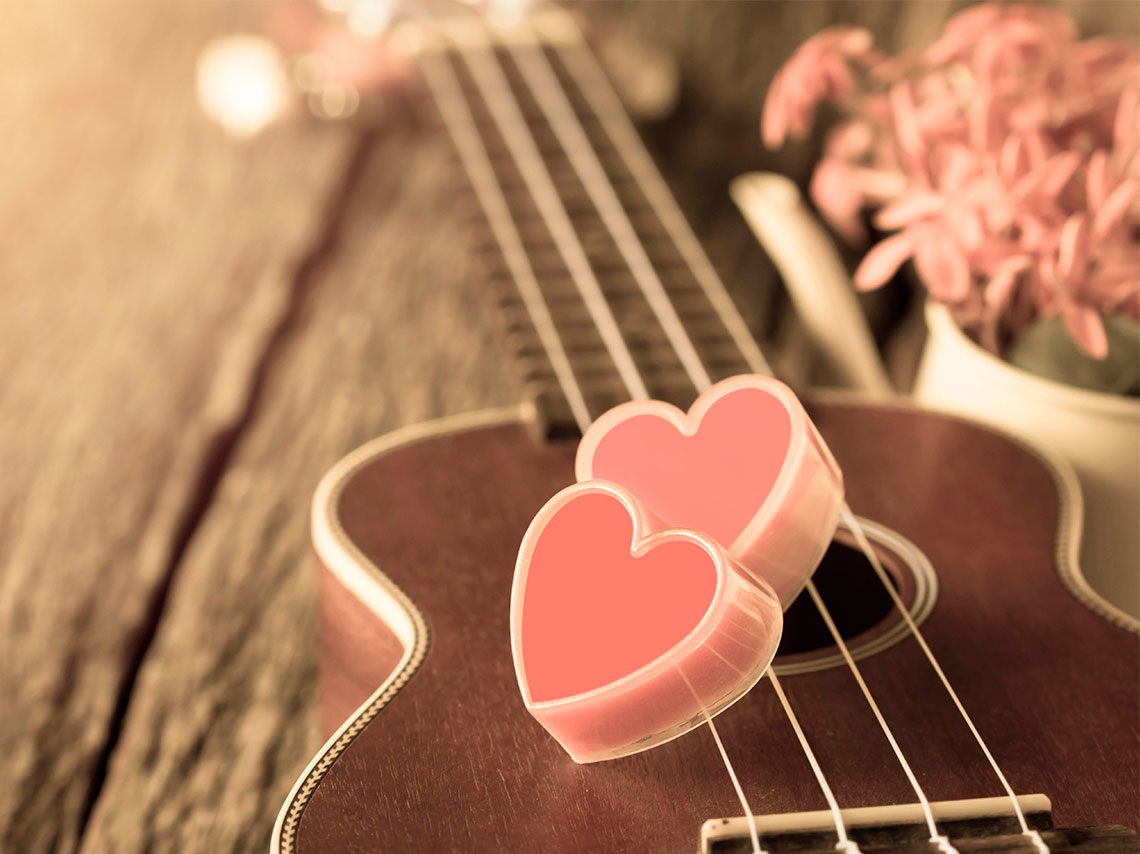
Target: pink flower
pixel 1006 156
pixel 835 191
pixel 816 72
pixel 939 259
pixel 883 261
pixel 1085 328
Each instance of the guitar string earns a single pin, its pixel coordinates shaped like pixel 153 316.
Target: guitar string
pixel 494 88
pixel 861 538
pixel 496 93
pixel 606 106
pixel 532 63
pixel 443 83
pixel 552 100
pixel 753 831
pixel 457 116
pixel 658 292
pixel 844 843
pixel 542 179
pixel 937 838
pixel 701 382
pixel 567 126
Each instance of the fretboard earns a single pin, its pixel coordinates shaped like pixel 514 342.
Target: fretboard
pixel 718 335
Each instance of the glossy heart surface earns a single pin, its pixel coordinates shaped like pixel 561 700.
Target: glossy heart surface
pixel 625 633
pixel 593 611
pixel 744 465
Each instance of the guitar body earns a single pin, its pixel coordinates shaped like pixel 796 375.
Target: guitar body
pixel 416 537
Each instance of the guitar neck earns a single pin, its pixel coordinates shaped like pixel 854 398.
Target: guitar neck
pixel 560 262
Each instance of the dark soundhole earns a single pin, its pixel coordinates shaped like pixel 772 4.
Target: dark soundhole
pixel 853 594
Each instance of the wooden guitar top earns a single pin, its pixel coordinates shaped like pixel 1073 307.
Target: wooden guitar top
pixel 445 758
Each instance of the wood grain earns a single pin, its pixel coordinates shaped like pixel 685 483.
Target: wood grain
pixel 386 333
pixel 144 259
pixel 442 518
pixel 191 330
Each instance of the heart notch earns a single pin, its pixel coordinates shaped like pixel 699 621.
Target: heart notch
pixel 745 465
pixel 625 632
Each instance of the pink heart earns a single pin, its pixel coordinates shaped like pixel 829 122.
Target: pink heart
pixel 623 630
pixel 744 465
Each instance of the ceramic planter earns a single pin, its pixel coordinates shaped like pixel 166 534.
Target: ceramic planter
pixel 1098 433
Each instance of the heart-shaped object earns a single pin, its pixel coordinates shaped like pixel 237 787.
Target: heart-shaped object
pixel 625 633
pixel 745 465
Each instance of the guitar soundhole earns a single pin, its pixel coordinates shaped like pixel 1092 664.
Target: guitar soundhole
pixel 853 593
pixel 858 602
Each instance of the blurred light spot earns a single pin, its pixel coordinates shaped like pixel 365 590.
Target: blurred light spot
pixel 369 17
pixel 242 83
pixel 312 71
pixel 506 12
pixel 406 39
pixel 335 101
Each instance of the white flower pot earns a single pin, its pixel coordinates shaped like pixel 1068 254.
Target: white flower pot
pixel 1098 433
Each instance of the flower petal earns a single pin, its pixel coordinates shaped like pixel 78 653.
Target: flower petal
pixel 1013 161
pixel 942 266
pixel 961 32
pixel 985 119
pixel 1072 252
pixel 774 120
pixel 1114 208
pixel 916 205
pixel 905 116
pixel 1096 179
pixel 884 260
pixel 966 224
pixel 1057 172
pixel 1127 117
pixel 955 164
pixel 817 70
pixel 835 192
pixel 1086 328
pixel 850 140
pixel 1004 279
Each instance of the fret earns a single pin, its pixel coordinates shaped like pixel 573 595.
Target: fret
pixel 675 274
pixel 580 208
pixel 598 244
pixel 691 303
pixel 608 390
pixel 705 327
pixel 719 356
pixel 651 350
pixel 645 342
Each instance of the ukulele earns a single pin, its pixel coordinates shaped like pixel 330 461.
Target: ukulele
pixel 604 294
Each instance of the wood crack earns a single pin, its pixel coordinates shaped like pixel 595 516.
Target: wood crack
pixel 221 449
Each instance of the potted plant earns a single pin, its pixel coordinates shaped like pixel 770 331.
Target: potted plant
pixel 1003 162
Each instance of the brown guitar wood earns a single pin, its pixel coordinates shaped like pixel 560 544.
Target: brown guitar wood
pixel 452 762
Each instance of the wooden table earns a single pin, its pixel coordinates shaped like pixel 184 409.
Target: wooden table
pixel 192 329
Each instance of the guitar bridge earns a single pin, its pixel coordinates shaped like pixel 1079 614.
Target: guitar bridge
pixel 972 826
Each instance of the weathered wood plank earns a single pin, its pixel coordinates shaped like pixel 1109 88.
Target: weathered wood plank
pixel 386 333
pixel 389 333
pixel 143 260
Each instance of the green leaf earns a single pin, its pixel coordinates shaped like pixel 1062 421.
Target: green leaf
pixel 1047 350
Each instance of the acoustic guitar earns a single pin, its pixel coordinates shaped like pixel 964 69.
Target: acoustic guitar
pixel 603 293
